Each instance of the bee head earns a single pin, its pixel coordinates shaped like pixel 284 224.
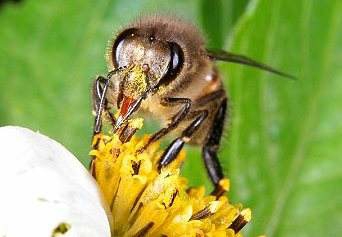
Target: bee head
pixel 156 52
pixel 160 59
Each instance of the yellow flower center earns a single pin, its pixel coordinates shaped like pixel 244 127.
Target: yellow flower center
pixel 144 201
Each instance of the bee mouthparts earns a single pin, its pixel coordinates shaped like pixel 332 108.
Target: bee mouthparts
pixel 128 107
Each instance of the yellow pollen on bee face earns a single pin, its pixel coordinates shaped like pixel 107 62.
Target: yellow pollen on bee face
pixel 136 81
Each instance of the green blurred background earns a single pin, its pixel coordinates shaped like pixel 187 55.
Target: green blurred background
pixel 282 148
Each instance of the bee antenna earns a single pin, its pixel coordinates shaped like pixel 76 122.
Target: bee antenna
pixel 241 59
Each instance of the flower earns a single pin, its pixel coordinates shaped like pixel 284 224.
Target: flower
pixel 45 190
pixel 146 202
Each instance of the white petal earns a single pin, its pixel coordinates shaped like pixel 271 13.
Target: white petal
pixel 42 185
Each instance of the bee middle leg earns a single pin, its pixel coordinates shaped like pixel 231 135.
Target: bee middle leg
pixel 176 119
pixel 176 146
pixel 211 142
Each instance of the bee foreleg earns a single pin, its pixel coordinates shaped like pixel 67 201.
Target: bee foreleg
pixel 99 101
pixel 210 147
pixel 175 147
pixel 180 115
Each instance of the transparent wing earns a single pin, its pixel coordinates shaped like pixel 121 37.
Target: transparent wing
pixel 240 59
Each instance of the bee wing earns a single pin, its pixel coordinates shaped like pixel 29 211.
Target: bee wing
pixel 241 59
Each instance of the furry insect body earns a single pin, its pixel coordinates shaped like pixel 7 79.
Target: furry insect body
pixel 160 66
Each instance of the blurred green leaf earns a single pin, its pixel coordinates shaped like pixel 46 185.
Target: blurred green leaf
pixel 218 18
pixel 213 22
pixel 51 51
pixel 284 151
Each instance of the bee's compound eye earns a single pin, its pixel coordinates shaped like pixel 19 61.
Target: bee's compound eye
pixel 119 42
pixel 175 64
pixel 177 59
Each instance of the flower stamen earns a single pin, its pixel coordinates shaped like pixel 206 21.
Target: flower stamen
pixel 241 220
pixel 146 201
pixel 144 230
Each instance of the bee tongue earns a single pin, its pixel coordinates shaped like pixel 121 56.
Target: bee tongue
pixel 128 106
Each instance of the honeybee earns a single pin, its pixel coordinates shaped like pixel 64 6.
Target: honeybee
pixel 180 86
